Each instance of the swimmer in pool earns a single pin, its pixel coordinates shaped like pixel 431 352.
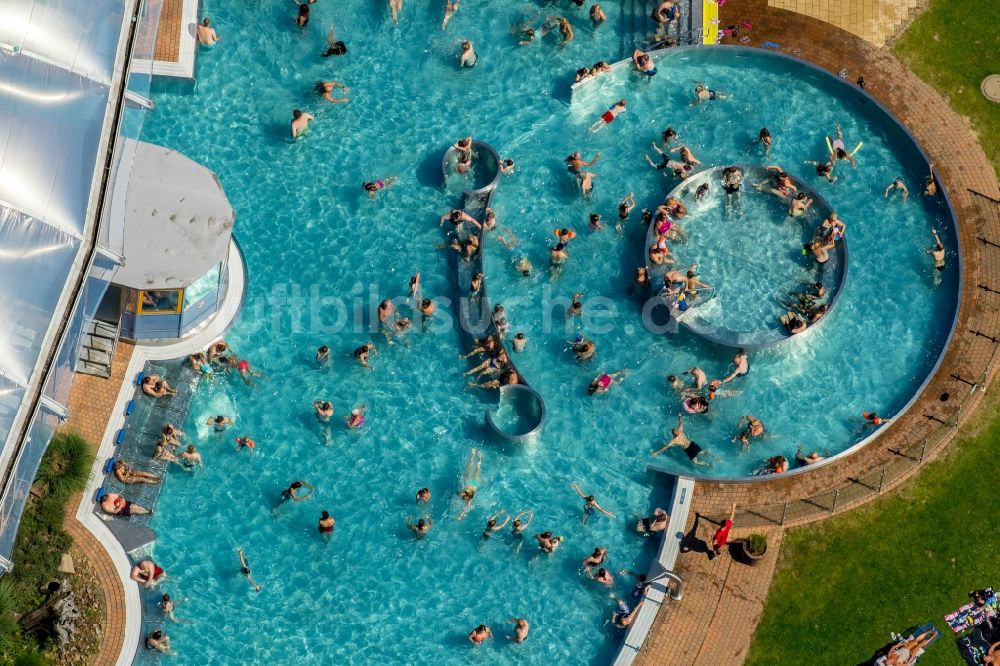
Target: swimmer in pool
pixel 576 306
pixel 824 169
pixel 356 418
pixel 548 543
pixel 325 89
pixel 395 6
pixel 603 576
pixel 322 355
pixel 468 56
pixel 703 94
pixel 625 208
pixel 596 558
pixel 609 116
pixel 324 410
pixel 810 459
pixel 521 628
pixel 937 253
pixel 207 36
pixel 565 28
pixel 157 387
pixel 764 139
pixel 755 427
pixel 897 184
pixel 147 573
pixel 458 217
pixel 695 453
pixel 838 150
pixel 575 162
pixel 643 64
pixel 372 187
pixel 793 324
pixel 478 635
pixel 930 185
pixel 603 382
pixel 741 366
pixel 421 527
pixel 300 121
pixel 586 180
pixel 732 184
pixel 492 524
pixel 623 616
pixel 583 348
pixel 655 523
pixel 695 404
pixel 597 16
pixel 519 342
pixel 325 526
pixel 590 505
pixel 470 481
pixel 524 266
pixel 449 10
pixel 302 20
pixel 699 376
pixel 245 570
pixel 686 155
pixel 423 496
pixel 366 351
pixel 799 204
pixel 294 492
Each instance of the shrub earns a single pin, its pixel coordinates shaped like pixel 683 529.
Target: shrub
pixel 755 544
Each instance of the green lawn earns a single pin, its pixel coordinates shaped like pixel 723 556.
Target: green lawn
pixel 908 558
pixel 953 46
pixel 911 557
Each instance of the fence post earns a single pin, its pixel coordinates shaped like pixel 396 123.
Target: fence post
pixel 784 510
pixel 881 479
pixel 836 496
pixel 923 450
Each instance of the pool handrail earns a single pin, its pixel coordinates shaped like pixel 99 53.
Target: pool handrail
pixel 820 208
pixel 662 568
pixel 475 202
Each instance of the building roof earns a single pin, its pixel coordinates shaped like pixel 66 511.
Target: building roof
pixel 178 221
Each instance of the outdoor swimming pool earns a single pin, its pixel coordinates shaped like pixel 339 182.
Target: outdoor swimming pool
pixel 321 255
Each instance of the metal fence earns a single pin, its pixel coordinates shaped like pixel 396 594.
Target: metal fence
pixel 857 490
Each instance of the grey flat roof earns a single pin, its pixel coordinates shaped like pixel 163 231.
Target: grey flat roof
pixel 178 221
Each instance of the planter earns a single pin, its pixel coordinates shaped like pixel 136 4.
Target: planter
pixel 753 549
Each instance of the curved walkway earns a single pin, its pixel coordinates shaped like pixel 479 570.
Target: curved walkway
pixel 716 621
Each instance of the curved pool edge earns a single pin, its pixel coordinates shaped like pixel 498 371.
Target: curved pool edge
pixel 475 202
pixel 961 237
pixel 226 316
pixel 821 205
pixel 534 431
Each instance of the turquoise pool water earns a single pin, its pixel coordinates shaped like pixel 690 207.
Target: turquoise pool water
pixel 321 256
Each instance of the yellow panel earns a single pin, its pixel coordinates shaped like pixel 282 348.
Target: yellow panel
pixel 710 22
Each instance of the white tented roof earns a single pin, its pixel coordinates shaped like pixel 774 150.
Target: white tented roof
pixel 57 64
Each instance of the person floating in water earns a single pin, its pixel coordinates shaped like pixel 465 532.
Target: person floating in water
pixel 703 94
pixel 609 116
pixel 623 615
pixel 824 169
pixel 518 526
pixel 732 184
pixel 695 453
pixel 395 6
pixel 597 16
pixel 590 505
pixel 937 253
pixel 479 635
pixel 838 151
pixel 325 90
pixel 356 418
pixel 603 382
pixel 810 459
pixel 470 481
pixel 245 570
pixel 494 525
pixel 897 184
pixel 873 420
pixel 294 492
pixel 449 10
pixel 548 543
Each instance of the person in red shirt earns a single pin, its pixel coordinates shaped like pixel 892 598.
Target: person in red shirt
pixel 722 535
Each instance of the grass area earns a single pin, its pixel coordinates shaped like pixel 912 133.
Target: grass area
pixel 911 557
pixel 41 541
pixel 953 46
